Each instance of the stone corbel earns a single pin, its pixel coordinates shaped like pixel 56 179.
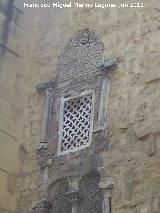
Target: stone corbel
pixel 41 206
pixel 48 89
pixel 109 64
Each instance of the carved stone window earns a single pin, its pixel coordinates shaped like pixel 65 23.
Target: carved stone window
pixel 81 67
pixel 76 122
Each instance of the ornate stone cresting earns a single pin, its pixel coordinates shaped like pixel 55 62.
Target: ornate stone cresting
pixel 82 55
pixel 91 195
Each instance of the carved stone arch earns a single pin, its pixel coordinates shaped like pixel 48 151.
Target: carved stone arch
pixel 91 196
pixel 57 194
pixel 82 55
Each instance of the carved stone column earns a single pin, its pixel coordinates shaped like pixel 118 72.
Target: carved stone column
pixel 48 89
pixel 45 180
pixel 107 186
pixel 74 208
pixel 73 198
pixel 73 195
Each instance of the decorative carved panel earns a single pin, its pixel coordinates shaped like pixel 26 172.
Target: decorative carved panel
pixel 60 201
pixel 91 195
pixel 82 55
pixel 61 204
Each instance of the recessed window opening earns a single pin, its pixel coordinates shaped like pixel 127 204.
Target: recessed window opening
pixel 76 122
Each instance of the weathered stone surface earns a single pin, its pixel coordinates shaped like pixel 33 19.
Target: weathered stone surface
pixel 155 205
pixel 132 162
pixel 152 145
pixel 152 74
pixel 143 128
pixel 143 210
pixel 41 205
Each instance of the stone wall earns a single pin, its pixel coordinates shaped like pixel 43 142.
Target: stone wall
pixel 31 56
pixel 13 84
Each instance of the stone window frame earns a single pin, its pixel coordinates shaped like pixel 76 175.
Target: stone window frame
pixel 63 100
pixel 49 88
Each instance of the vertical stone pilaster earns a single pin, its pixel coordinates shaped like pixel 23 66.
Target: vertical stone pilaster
pixel 105 88
pixel 106 67
pixel 47 112
pixel 48 89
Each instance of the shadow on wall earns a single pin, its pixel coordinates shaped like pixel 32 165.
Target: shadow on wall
pixel 11 14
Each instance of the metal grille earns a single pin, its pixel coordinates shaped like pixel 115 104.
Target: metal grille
pixel 77 125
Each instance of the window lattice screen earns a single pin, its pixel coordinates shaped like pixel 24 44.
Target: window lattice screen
pixel 76 123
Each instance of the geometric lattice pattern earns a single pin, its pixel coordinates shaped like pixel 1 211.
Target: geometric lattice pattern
pixel 91 194
pixel 76 123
